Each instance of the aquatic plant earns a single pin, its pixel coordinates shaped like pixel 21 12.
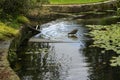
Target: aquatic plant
pixel 115 61
pixel 108 38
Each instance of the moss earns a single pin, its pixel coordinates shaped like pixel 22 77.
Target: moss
pixel 7 32
pixel 23 19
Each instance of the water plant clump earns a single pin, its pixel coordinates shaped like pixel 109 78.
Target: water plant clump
pixel 107 37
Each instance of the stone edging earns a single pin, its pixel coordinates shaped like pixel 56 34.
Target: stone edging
pixel 6 73
pixel 110 4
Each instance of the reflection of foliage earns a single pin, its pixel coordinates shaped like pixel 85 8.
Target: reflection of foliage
pixel 106 37
pixel 99 65
pixel 12 56
pixel 46 62
pixel 38 60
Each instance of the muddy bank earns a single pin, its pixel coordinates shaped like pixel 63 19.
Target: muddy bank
pixel 6 73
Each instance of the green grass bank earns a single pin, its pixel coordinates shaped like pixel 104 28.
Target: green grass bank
pixel 9 27
pixel 74 1
pixel 7 32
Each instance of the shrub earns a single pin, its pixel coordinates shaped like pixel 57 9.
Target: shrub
pixel 7 32
pixel 1 3
pixel 15 6
pixel 23 19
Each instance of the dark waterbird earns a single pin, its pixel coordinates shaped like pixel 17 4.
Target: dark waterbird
pixel 73 32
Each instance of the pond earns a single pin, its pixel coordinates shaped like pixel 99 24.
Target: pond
pixel 70 60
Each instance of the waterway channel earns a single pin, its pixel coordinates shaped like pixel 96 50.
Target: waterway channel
pixel 64 61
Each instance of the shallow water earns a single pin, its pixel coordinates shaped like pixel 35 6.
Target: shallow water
pixel 58 30
pixel 64 61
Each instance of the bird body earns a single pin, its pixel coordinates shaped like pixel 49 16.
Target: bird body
pixel 73 32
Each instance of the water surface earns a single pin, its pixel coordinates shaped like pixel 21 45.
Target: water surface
pixel 65 61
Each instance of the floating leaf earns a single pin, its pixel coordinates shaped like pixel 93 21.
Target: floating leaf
pixel 107 37
pixel 113 64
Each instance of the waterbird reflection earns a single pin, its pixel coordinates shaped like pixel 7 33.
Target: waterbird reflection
pixel 73 37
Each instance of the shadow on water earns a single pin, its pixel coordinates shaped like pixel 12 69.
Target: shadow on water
pixel 38 64
pixel 64 61
pixel 99 64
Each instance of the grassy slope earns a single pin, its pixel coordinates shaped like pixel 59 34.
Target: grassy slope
pixel 7 32
pixel 73 1
pixel 11 29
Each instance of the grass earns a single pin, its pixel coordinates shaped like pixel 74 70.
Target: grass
pixel 9 25
pixel 6 32
pixel 74 1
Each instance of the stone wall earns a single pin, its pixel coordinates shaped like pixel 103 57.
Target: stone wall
pixel 107 5
pixel 6 73
pixel 52 12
